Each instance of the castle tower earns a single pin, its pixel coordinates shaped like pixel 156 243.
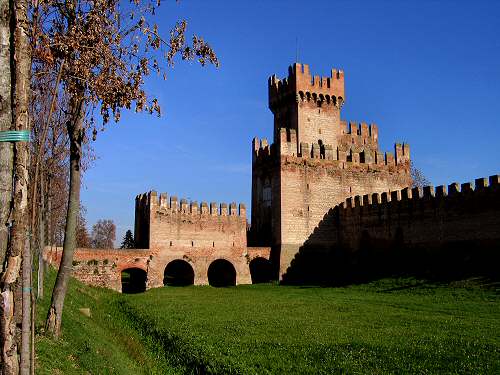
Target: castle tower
pixel 316 161
pixel 309 105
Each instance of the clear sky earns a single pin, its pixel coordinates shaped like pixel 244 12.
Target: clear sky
pixel 427 72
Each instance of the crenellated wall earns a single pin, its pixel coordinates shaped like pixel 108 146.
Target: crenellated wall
pixel 429 217
pixel 174 222
pixel 197 233
pixel 323 197
pixel 437 232
pixel 173 232
pixel 300 80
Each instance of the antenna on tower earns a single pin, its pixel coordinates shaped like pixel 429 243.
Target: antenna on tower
pixel 296 49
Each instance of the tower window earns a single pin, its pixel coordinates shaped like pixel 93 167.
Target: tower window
pixel 267 193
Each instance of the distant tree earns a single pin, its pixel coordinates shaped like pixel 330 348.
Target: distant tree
pixel 418 178
pixel 82 235
pixel 128 240
pixel 103 234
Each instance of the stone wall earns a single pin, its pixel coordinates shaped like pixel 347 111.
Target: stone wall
pixel 310 187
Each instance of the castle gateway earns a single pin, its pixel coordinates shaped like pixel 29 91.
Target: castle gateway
pixel 327 204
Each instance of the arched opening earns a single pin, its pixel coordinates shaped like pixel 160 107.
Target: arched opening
pixel 178 273
pixel 260 270
pixel 221 273
pixel 133 280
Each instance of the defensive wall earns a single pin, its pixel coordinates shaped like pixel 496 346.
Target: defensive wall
pixel 327 206
pixel 182 244
pixel 435 231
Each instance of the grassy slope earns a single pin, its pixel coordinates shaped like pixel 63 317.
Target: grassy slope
pixel 388 326
pixel 102 344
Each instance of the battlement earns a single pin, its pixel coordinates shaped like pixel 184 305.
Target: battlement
pixel 347 153
pixel 359 133
pixel 427 193
pixel 301 84
pixel 173 204
pixel 261 148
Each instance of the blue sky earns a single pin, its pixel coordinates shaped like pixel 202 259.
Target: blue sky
pixel 427 72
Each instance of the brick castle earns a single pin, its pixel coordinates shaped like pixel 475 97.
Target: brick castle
pixel 327 205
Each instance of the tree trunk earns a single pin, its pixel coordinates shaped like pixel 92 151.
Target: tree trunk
pixel 42 219
pixel 18 242
pixel 6 123
pixel 75 133
pixel 7 328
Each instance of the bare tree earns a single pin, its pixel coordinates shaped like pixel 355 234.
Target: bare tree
pixel 103 234
pixel 417 176
pixel 108 51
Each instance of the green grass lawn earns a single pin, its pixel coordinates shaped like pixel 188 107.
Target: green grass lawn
pixel 389 326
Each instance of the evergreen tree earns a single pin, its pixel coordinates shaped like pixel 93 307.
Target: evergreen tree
pixel 128 240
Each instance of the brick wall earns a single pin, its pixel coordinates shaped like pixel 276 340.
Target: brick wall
pixel 316 161
pixel 101 267
pixel 310 187
pixel 433 231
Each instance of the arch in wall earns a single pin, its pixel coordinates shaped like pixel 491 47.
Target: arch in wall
pixel 178 273
pixel 221 272
pixel 133 280
pixel 260 270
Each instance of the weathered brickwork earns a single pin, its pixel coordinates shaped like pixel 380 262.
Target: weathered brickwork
pixel 316 161
pixel 172 231
pixel 102 267
pixel 325 201
pixel 439 231
pixel 430 217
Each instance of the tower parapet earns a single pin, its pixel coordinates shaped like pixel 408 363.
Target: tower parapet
pixel 301 84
